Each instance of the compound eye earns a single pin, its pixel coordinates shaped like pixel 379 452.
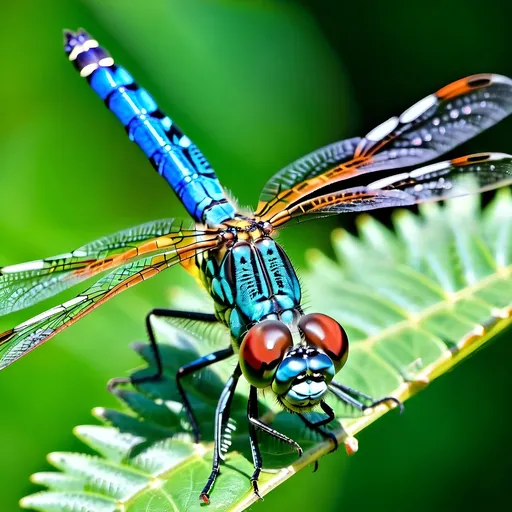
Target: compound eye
pixel 323 332
pixel 261 351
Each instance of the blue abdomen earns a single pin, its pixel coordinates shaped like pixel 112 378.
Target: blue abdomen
pixel 171 152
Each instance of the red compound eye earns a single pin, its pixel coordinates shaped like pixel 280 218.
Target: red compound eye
pixel 262 350
pixel 325 333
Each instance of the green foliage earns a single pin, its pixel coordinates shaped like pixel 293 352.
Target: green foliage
pixel 414 303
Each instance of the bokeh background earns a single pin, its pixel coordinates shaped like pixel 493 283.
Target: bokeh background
pixel 255 83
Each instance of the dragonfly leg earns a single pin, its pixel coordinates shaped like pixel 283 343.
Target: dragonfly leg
pixel 252 412
pixel 221 421
pixel 193 367
pixel 274 433
pixel 255 424
pixel 354 397
pixel 165 313
pixel 188 369
pixel 168 313
pixel 184 370
pixel 317 426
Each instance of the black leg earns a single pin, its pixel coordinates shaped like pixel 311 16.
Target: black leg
pixel 258 424
pixel 252 412
pixel 353 397
pixel 254 424
pixel 165 313
pixel 193 367
pixel 221 421
pixel 184 370
pixel 345 397
pixel 317 426
pixel 169 313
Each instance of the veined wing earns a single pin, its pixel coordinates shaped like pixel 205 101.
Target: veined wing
pixel 309 166
pixel 28 283
pixel 16 342
pixel 431 127
pixel 443 180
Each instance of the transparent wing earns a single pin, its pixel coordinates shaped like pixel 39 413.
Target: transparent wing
pixel 308 167
pixel 444 180
pixel 28 283
pixel 428 129
pixel 16 342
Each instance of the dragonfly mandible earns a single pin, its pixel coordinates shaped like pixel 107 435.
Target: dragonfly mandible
pixel 254 287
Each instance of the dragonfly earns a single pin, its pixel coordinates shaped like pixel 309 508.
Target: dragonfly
pixel 279 347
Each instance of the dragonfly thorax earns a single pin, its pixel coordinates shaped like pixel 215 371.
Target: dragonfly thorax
pixel 250 279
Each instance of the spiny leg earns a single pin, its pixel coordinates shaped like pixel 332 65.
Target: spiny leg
pixel 252 412
pixel 254 424
pixel 221 420
pixel 157 375
pixel 184 370
pixel 353 397
pixel 274 433
pixel 317 427
pixel 193 367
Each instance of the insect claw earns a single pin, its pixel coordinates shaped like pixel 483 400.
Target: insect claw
pixel 400 405
pixel 334 440
pixel 256 490
pixel 395 402
pixel 386 400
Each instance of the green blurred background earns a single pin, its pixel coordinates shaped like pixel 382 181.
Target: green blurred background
pixel 255 84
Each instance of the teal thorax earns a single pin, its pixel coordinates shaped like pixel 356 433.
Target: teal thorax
pixel 251 279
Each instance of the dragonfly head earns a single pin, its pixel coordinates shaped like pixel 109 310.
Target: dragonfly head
pixel 299 374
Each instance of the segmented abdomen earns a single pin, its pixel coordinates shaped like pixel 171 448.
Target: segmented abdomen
pixel 171 152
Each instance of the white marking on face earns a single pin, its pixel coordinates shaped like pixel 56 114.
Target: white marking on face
pixel 79 254
pixel 24 267
pixel 418 109
pixel 309 388
pixel 384 129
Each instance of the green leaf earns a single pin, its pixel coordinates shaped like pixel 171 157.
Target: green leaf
pixel 415 301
